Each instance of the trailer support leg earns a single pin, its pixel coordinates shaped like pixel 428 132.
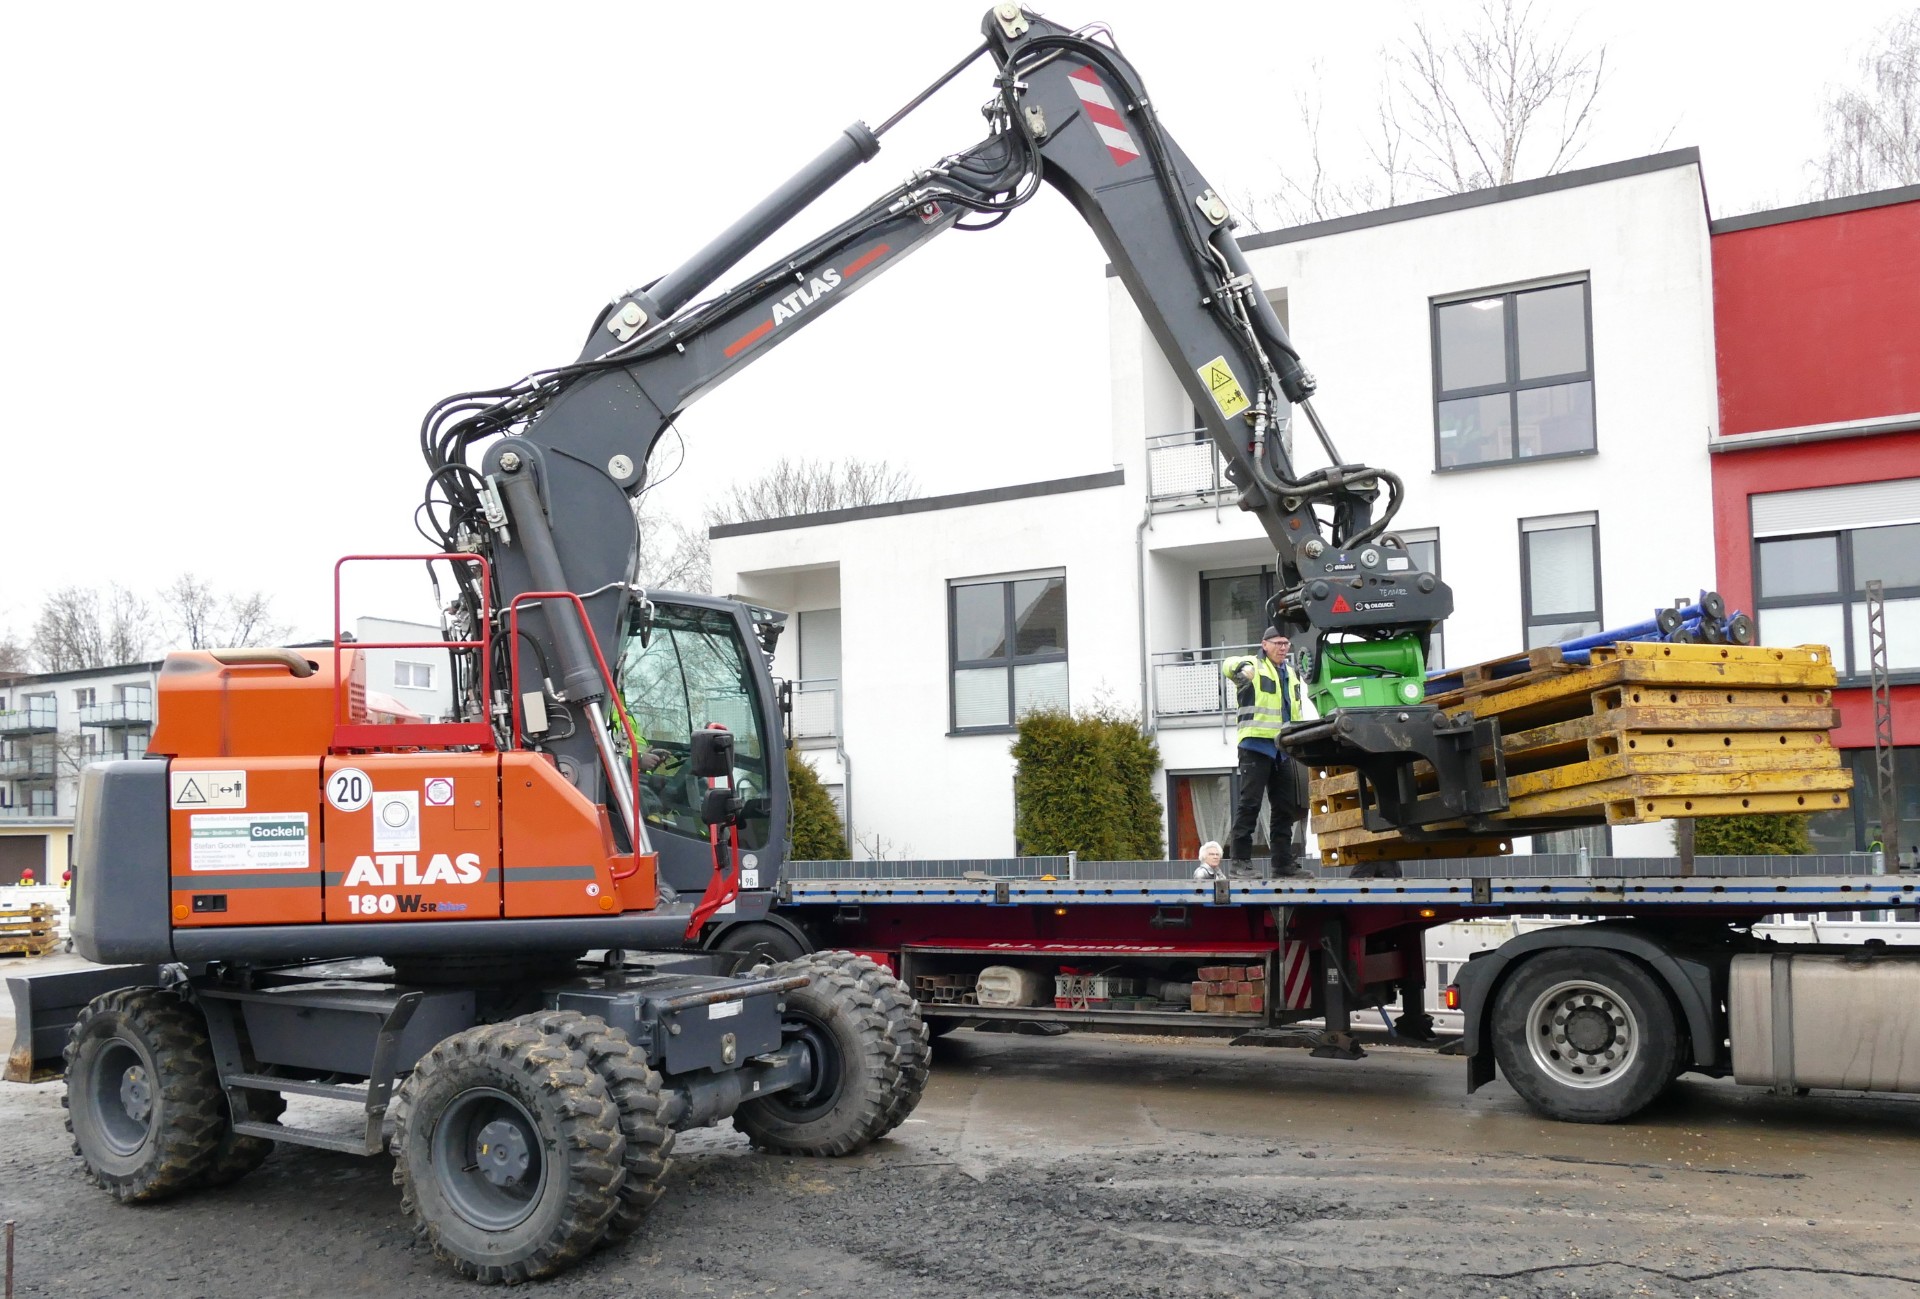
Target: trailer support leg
pixel 1413 1021
pixel 1336 990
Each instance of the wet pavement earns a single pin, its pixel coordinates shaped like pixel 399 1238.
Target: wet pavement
pixel 1097 1166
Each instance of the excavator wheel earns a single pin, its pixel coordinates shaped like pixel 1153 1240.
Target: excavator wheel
pixel 853 1036
pixel 507 1152
pixel 143 1098
pixel 905 1029
pixel 635 1089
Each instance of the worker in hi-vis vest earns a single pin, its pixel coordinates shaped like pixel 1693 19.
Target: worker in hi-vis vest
pixel 1270 697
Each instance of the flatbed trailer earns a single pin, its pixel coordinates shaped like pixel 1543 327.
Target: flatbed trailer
pixel 1655 975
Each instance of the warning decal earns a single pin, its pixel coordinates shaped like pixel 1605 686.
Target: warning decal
pixel 202 789
pixel 265 841
pixel 1226 390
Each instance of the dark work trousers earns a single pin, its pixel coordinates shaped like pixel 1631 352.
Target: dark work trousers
pixel 1268 778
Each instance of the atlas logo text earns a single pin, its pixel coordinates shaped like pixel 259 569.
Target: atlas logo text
pixel 388 869
pixel 792 305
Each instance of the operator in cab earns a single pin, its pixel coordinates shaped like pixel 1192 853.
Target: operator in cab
pixel 1270 696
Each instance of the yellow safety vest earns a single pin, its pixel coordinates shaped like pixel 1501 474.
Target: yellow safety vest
pixel 1260 715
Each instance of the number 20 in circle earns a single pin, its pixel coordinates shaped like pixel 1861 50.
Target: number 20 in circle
pixel 348 789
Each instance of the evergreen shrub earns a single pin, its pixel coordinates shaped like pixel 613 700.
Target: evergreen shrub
pixel 817 832
pixel 1084 784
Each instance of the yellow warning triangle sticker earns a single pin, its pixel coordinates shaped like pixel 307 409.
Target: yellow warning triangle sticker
pixel 1224 387
pixel 189 793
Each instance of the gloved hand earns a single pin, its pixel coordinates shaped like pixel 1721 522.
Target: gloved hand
pixel 652 759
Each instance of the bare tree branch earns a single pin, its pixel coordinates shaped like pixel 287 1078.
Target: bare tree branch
pixel 794 487
pixel 199 617
pixel 1873 127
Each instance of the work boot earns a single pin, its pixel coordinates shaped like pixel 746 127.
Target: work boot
pixel 1286 870
pixel 1239 868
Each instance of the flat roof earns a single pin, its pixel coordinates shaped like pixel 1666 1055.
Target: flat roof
pixel 920 505
pixel 1809 211
pixel 1688 157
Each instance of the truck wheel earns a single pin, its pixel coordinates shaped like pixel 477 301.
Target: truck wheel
pixel 1585 1036
pixel 236 1156
pixel 760 943
pixel 911 1040
pixel 143 1099
pixel 635 1089
pixel 854 1076
pixel 507 1153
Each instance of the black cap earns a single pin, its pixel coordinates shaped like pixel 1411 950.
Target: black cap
pixel 1272 632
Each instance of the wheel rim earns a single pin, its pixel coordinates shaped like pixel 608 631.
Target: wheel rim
pixel 488 1160
pixel 822 1067
pixel 1582 1033
pixel 122 1096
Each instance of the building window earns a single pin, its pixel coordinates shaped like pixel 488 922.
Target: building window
pixel 1008 648
pixel 1513 376
pixel 83 697
pixel 1811 590
pixel 1559 578
pixel 413 676
pixel 1233 608
pixel 1423 546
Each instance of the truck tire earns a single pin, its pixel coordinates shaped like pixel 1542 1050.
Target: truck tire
pixel 1585 1035
pixel 507 1153
pixel 143 1098
pixel 855 1079
pixel 236 1156
pixel 761 943
pixel 635 1089
pixel 905 1029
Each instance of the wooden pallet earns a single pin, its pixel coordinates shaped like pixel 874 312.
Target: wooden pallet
pixel 1643 733
pixel 37 943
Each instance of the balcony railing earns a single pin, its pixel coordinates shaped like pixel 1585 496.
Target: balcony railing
pixel 118 712
pixel 29 766
pixel 1188 683
pixel 816 709
pixel 32 717
pixel 29 812
pixel 1185 470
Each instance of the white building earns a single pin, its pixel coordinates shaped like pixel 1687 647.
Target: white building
pixel 51 726
pixel 1536 361
pixel 417 678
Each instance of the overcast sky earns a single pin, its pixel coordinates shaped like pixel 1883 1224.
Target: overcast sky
pixel 252 243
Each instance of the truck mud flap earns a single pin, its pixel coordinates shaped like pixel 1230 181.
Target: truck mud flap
pixel 45 1007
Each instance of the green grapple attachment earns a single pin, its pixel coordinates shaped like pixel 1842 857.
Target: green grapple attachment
pixel 1369 674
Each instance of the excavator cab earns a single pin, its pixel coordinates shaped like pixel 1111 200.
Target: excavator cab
pixel 690 663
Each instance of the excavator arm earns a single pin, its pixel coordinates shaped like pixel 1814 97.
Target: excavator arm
pixel 552 503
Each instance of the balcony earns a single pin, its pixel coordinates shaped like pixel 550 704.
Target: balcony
pixel 816 711
pixel 1188 686
pixel 37 766
pixel 32 717
pixel 1186 471
pixel 30 812
pixel 119 713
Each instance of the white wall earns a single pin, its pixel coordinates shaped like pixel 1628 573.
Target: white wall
pixel 923 791
pixel 434 703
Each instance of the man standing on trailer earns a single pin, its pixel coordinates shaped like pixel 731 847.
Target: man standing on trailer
pixel 1270 697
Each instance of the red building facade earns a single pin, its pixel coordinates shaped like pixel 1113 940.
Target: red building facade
pixel 1816 476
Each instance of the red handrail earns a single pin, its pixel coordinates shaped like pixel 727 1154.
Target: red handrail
pixel 613 692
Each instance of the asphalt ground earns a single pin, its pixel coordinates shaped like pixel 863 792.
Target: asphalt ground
pixel 1097 1166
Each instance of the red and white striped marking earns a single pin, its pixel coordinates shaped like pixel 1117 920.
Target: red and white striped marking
pixel 1104 116
pixel 1295 993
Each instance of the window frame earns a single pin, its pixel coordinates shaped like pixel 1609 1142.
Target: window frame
pixel 1268 576
pixel 1853 668
pixel 1513 386
pixel 1528 619
pixel 413 666
pixel 1436 662
pixel 1010 660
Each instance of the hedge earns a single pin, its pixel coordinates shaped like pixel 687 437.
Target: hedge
pixel 1085 785
pixel 816 832
pixel 1751 834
